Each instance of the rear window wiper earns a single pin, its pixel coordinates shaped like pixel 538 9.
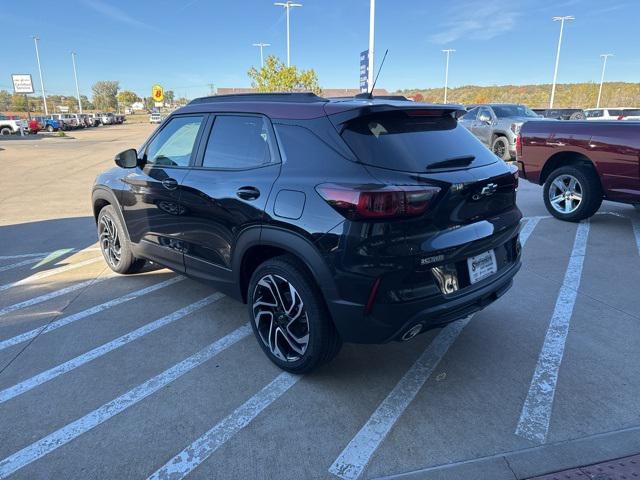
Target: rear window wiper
pixel 453 162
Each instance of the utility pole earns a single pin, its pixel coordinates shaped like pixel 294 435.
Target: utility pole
pixel 211 91
pixel 288 5
pixel 555 71
pixel 44 96
pixel 261 45
pixel 448 52
pixel 75 75
pixel 604 56
pixel 372 25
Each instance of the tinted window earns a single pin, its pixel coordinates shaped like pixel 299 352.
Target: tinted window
pixel 615 113
pixel 471 115
pixel 237 142
pixel 173 146
pixel 410 143
pixel 485 112
pixel 631 112
pixel 503 111
pixel 593 113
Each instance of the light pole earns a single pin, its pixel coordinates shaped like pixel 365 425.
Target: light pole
pixel 372 24
pixel 448 52
pixel 288 5
pixel 44 96
pixel 555 70
pixel 75 75
pixel 261 45
pixel 604 56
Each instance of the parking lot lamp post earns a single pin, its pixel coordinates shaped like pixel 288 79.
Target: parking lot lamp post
pixel 372 24
pixel 261 45
pixel 555 70
pixel 448 52
pixel 75 75
pixel 44 97
pixel 288 5
pixel 604 57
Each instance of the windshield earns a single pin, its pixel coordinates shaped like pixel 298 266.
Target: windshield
pixel 503 111
pixel 398 141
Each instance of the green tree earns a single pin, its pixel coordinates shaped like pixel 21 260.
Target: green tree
pixel 104 94
pixel 19 103
pixel 169 96
pixel 149 103
pixel 5 100
pixel 275 76
pixel 126 98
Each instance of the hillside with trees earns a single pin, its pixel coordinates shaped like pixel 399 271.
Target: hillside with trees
pixel 579 95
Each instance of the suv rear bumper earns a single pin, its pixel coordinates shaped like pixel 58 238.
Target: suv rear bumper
pixel 391 321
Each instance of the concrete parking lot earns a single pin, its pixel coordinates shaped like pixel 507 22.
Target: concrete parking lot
pixel 155 375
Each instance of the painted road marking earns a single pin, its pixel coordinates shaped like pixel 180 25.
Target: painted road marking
pixel 29 261
pixel 196 453
pixel 53 256
pixel 354 458
pixel 528 228
pixel 47 375
pixel 73 430
pixel 536 411
pixel 50 295
pixel 49 273
pixel 61 322
pixel 44 254
pixel 635 223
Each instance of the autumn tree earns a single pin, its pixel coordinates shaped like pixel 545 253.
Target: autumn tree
pixel 127 98
pixel 275 76
pixel 104 94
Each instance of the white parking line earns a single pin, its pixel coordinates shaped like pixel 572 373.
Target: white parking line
pixel 635 223
pixel 536 411
pixel 44 254
pixel 73 430
pixel 47 375
pixel 29 261
pixel 49 273
pixel 186 461
pixel 50 295
pixel 61 322
pixel 354 458
pixel 528 228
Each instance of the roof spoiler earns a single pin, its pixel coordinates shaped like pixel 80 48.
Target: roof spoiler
pixel 340 117
pixel 293 97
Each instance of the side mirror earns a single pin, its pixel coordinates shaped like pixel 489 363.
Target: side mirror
pixel 127 159
pixel 485 118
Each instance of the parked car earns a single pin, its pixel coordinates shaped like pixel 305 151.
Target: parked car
pixel 497 125
pixel 33 126
pixel 67 121
pixel 48 124
pixel 119 119
pixel 603 113
pixel 385 220
pixel 630 114
pixel 561 113
pixel 581 163
pixel 107 118
pixel 155 118
pixel 9 126
pixel 96 118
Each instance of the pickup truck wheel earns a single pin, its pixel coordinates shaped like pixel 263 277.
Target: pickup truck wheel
pixel 6 131
pixel 289 317
pixel 572 193
pixel 500 148
pixel 50 128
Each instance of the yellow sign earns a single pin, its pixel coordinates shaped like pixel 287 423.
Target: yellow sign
pixel 157 93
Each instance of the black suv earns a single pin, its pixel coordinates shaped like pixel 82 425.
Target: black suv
pixel 352 220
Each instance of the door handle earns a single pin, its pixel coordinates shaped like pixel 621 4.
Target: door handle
pixel 170 183
pixel 248 193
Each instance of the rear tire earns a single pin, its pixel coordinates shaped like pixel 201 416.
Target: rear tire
pixel 289 318
pixel 572 193
pixel 114 243
pixel 6 131
pixel 578 116
pixel 500 148
pixel 50 128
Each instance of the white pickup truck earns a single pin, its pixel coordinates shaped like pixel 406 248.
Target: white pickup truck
pixel 9 127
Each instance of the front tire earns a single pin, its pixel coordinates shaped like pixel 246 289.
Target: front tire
pixel 6 131
pixel 500 148
pixel 50 128
pixel 114 243
pixel 289 317
pixel 572 193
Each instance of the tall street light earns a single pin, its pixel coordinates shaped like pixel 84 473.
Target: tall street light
pixel 448 52
pixel 604 56
pixel 261 45
pixel 44 97
pixel 75 75
pixel 288 5
pixel 372 24
pixel 555 71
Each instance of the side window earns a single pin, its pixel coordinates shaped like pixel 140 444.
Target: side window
pixel 470 116
pixel 237 142
pixel 173 146
pixel 593 113
pixel 484 112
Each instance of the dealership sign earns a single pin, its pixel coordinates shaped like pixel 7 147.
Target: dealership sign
pixel 364 71
pixel 22 83
pixel 157 93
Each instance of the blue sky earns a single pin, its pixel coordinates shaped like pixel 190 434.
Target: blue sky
pixel 188 44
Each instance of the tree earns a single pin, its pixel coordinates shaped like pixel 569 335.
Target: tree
pixel 127 98
pixel 149 103
pixel 169 97
pixel 104 94
pixel 275 76
pixel 19 103
pixel 5 100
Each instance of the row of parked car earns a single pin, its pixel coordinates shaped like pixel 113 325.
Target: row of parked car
pixel 58 121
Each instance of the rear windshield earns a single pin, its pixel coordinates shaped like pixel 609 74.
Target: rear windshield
pixel 504 111
pixel 398 141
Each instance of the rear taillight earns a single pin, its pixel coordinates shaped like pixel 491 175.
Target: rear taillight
pixel 356 202
pixel 518 146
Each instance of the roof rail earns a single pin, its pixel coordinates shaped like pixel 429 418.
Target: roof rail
pixel 293 97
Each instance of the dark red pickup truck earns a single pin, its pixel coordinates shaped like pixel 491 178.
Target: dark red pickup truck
pixel 581 163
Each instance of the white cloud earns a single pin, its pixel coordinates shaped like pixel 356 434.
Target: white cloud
pixel 475 20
